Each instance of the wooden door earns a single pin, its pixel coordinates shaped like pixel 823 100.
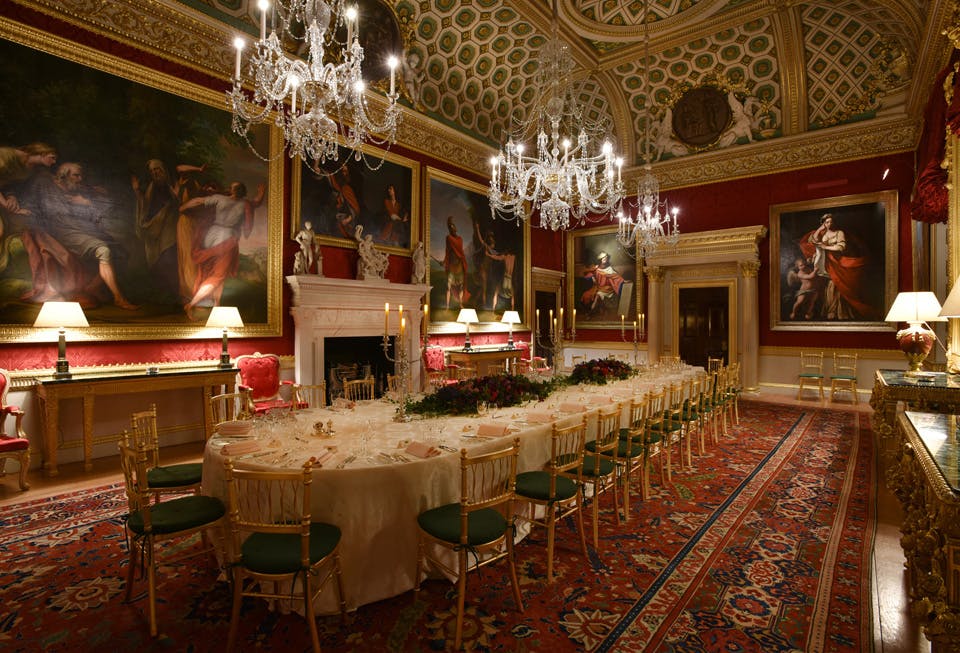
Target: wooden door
pixel 703 321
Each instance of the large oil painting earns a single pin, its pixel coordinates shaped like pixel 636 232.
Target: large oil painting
pixel 602 280
pixel 475 261
pixel 833 263
pixel 346 200
pixel 126 191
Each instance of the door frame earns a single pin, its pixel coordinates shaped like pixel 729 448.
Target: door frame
pixel 733 315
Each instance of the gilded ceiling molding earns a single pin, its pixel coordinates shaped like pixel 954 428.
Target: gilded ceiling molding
pixel 808 150
pixel 791 59
pixel 933 54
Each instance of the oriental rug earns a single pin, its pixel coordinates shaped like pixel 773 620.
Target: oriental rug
pixel 763 545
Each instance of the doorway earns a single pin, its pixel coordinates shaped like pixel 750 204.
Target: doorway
pixel 704 324
pixel 545 301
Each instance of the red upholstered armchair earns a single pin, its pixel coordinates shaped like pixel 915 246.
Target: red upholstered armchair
pixel 16 445
pixel 260 376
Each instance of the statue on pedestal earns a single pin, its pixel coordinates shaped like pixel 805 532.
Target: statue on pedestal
pixel 372 263
pixel 419 265
pixel 309 251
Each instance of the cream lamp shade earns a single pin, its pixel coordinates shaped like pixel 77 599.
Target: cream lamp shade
pixel 916 341
pixel 951 306
pixel 510 318
pixel 224 317
pixel 59 315
pixel 466 317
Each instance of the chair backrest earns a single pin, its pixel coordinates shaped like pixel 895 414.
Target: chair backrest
pixel 714 364
pixel 134 461
pixel 4 387
pixel 358 389
pixel 268 502
pixel 466 372
pixel 393 383
pixel 487 481
pixel 230 406
pixel 656 408
pixel 811 362
pixel 434 357
pixel 311 395
pixel 7 409
pixel 845 365
pixel 260 373
pixel 143 433
pixel 608 433
pixel 638 414
pixel 566 452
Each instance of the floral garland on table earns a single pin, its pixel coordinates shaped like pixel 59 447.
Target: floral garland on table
pixel 600 370
pixel 462 398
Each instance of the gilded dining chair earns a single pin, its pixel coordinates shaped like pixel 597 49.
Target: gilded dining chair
pixel 13 445
pixel 844 377
pixel 811 371
pixel 311 395
pixel 601 465
pixel 359 389
pixel 180 477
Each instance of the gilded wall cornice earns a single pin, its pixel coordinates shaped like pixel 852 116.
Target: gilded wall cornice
pixel 824 147
pixel 741 243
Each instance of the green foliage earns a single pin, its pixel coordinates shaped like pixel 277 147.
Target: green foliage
pixel 498 390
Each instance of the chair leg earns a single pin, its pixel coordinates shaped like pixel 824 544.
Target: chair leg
pixel 461 597
pixel 625 480
pixel 308 613
pixel 131 567
pixel 420 554
pixel 235 611
pixel 339 578
pixel 583 532
pixel 151 585
pixel 513 572
pixel 596 518
pixel 551 536
pixel 24 466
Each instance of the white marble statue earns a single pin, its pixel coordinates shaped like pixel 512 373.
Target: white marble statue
pixel 372 263
pixel 305 258
pixel 419 265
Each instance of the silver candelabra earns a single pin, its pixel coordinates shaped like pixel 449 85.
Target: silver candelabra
pixel 401 366
pixel 555 341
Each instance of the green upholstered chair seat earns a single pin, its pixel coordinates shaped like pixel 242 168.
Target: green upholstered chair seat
pixel 636 437
pixel 483 526
pixel 810 375
pixel 670 428
pixel 175 475
pixel 591 468
pixel 179 514
pixel 690 414
pixel 629 450
pixel 843 377
pixel 536 485
pixel 279 553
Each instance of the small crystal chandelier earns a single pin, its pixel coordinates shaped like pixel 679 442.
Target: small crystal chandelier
pixel 320 105
pixel 655 223
pixel 568 179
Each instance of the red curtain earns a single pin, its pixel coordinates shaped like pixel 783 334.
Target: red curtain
pixel 929 199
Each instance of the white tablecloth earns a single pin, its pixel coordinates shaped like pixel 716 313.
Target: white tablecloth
pixel 375 499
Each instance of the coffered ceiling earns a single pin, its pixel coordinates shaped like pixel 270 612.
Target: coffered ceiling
pixel 730 87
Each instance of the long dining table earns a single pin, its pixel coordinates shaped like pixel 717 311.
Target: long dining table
pixel 371 481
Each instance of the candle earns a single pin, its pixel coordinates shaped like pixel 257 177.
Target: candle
pixel 238 43
pixel 392 62
pixel 426 312
pixel 264 5
pixel 400 314
pixel 386 318
pixel 574 320
pixel 622 318
pixel 551 321
pixel 351 15
pixel 403 327
pixel 634 330
pixel 560 321
pixel 643 319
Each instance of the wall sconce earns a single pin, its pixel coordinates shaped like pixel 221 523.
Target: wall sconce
pixel 510 318
pixel 59 315
pixel 466 317
pixel 916 341
pixel 225 317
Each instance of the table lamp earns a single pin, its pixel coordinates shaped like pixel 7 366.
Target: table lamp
pixel 466 317
pixel 951 308
pixel 60 315
pixel 225 317
pixel 916 341
pixel 510 318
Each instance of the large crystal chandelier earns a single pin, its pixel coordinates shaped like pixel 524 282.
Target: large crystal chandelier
pixel 319 104
pixel 655 223
pixel 569 177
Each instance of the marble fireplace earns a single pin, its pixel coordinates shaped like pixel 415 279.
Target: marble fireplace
pixel 325 309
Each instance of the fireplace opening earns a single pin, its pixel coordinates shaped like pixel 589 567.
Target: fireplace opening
pixel 355 358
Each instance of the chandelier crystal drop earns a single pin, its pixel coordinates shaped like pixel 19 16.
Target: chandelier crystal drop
pixel 655 224
pixel 320 103
pixel 569 177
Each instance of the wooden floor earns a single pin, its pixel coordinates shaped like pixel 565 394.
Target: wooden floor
pixel 895 631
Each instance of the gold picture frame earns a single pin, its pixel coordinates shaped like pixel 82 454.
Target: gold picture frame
pixel 818 287
pixel 465 203
pixel 117 149
pixel 620 288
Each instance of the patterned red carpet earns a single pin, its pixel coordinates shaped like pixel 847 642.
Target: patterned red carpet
pixel 763 546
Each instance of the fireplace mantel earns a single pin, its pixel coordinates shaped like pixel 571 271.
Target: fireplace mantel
pixel 338 308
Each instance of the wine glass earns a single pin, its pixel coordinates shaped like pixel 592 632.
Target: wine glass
pixel 481 408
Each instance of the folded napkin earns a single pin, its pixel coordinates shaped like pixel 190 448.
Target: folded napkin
pixel 607 399
pixel 341 402
pixel 238 448
pixel 318 460
pixel 235 427
pixel 421 450
pixel 539 417
pixel 570 407
pixel 491 428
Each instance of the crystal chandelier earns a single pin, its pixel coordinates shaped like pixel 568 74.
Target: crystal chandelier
pixel 318 104
pixel 655 223
pixel 568 178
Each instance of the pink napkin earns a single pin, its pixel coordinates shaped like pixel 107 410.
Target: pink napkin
pixel 496 430
pixel 236 427
pixel 421 450
pixel 322 458
pixel 539 417
pixel 570 407
pixel 238 448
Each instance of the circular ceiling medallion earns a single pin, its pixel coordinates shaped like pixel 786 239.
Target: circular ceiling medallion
pixel 701 115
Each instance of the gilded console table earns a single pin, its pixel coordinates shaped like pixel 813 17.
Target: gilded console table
pixel 486 361
pixel 927 482
pixel 51 391
pixel 937 392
